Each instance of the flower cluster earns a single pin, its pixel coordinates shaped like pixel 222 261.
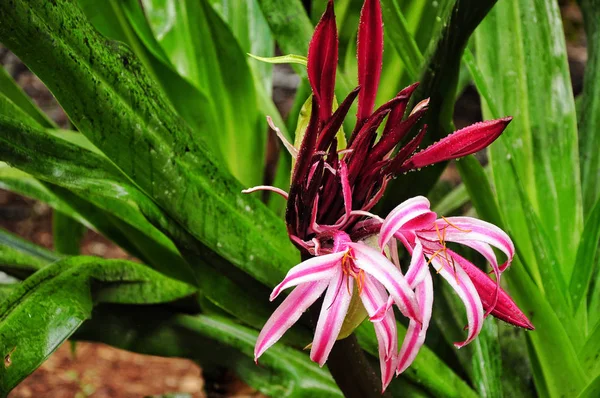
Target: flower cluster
pixel 328 216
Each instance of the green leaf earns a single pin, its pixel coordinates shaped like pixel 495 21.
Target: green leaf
pixel 590 352
pixel 21 258
pixel 585 259
pixel 589 117
pixel 525 40
pixel 592 390
pixel 95 183
pixel 398 33
pixel 292 30
pixel 44 310
pixel 125 21
pixel 218 67
pixel 111 100
pixel 438 82
pixel 67 234
pixel 24 184
pixel 210 340
pixel 10 90
pixel 282 59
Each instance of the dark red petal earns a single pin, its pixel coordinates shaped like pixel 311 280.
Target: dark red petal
pixel 398 112
pixel 335 122
pixel 322 61
pixel 407 150
pixel 370 56
pixel 458 144
pixel 506 309
pixel 388 142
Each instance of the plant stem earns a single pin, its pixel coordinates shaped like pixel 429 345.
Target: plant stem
pixel 351 370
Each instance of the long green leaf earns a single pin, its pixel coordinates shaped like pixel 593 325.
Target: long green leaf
pixel 438 82
pixel 592 390
pixel 525 41
pixel 124 21
pixel 43 311
pixel 218 67
pixel 589 117
pixel 590 352
pixel 585 259
pixel 10 89
pixel 21 258
pixel 92 177
pixel 110 99
pixel 67 234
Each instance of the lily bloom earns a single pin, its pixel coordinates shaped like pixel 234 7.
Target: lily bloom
pixel 333 188
pixel 425 237
pixel 336 272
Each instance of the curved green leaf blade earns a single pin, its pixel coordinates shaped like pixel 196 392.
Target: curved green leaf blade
pixel 10 89
pixel 101 194
pixel 110 99
pixel 524 39
pixel 41 312
pixel 21 258
pixel 589 117
pixel 218 67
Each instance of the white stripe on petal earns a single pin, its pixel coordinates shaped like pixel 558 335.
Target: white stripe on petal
pixel 415 335
pixel 313 269
pixel 333 312
pixel 287 314
pixel 462 285
pixel 402 214
pixel 386 273
pixel 417 270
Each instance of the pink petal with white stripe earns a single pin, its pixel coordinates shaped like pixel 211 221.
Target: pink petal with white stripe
pixel 287 314
pixel 417 270
pixel 377 265
pixel 488 253
pixel 405 215
pixel 462 285
pixel 314 269
pixel 415 335
pixel 373 299
pixel 333 312
pixel 464 229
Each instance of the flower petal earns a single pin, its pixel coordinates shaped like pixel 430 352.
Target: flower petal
pixel 468 229
pixel 287 314
pixel 505 308
pixel 322 61
pixel 458 144
pixel 415 335
pixel 377 265
pixel 373 299
pixel 370 56
pixel 333 312
pixel 313 269
pixel 416 208
pixel 462 285
pixel 417 270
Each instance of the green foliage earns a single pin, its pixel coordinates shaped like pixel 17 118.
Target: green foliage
pixel 169 122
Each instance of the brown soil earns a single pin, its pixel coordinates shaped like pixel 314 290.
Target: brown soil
pixel 99 371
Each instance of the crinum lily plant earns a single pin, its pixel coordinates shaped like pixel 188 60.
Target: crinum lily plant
pixel 328 214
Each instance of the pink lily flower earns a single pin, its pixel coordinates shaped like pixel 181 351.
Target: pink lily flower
pixel 333 190
pixel 345 264
pixel 425 237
